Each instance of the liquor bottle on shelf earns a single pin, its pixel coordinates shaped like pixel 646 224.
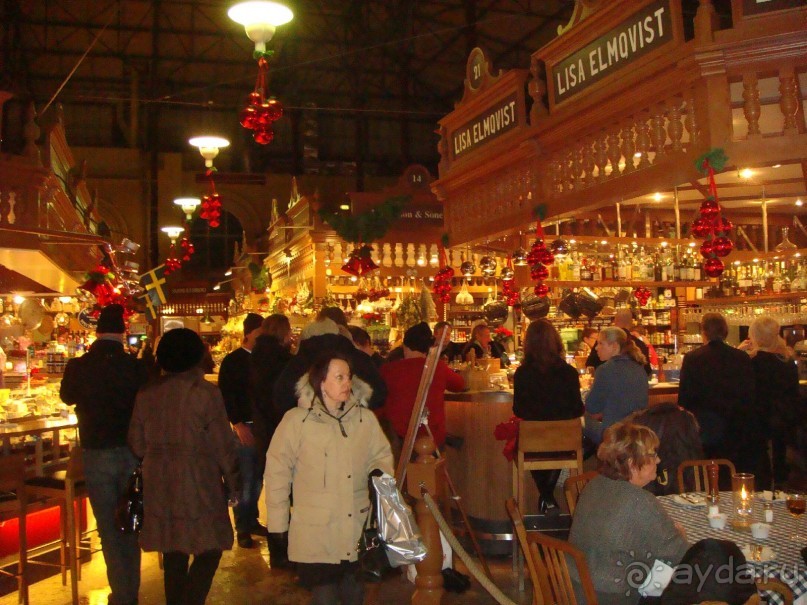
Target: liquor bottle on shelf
pixel 585 269
pixel 594 267
pixel 607 269
pixel 575 267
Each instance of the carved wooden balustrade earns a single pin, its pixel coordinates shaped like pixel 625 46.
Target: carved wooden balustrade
pixel 640 130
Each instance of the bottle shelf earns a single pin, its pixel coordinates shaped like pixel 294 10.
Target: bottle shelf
pixel 747 298
pixel 629 284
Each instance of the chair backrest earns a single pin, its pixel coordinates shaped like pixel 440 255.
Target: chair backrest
pixel 574 485
pixel 12 472
pixel 699 474
pixel 548 563
pixel 542 444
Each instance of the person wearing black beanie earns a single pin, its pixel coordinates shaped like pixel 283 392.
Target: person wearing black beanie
pixel 180 430
pixel 103 384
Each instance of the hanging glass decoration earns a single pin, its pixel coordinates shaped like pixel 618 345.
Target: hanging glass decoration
pixel 211 202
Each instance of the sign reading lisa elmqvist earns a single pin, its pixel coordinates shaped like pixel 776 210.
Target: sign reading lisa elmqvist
pixel 491 123
pixel 639 34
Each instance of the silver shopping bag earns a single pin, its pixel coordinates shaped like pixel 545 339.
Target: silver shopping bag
pixel 396 524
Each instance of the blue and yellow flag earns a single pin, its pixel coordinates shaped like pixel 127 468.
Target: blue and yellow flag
pixel 153 282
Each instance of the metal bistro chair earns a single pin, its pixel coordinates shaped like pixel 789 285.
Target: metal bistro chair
pixel 548 564
pixel 700 473
pixel 573 487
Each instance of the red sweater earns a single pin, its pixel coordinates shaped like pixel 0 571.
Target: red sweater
pixel 402 378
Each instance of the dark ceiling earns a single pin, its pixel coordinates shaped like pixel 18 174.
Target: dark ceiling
pixel 360 65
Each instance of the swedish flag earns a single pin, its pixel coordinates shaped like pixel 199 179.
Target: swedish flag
pixel 153 282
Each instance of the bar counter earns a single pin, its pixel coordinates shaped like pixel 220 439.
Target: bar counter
pixel 483 477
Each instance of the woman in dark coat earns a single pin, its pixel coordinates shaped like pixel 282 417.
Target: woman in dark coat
pixel 545 388
pixel 777 407
pixel 179 428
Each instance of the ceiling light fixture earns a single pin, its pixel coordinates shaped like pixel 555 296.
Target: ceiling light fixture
pixel 188 205
pixel 173 233
pixel 209 147
pixel 260 20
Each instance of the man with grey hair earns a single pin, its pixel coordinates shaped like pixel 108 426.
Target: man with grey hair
pixel 623 318
pixel 717 385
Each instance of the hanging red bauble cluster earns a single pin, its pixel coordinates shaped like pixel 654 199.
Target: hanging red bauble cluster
pixel 172 263
pixel 642 295
pixel 360 261
pixel 260 112
pixel 442 279
pixel 711 225
pixel 211 203
pixel 104 287
pixel 538 258
pixel 509 288
pixel 187 248
pixel 375 294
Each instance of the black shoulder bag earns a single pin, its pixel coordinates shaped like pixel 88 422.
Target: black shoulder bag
pixel 129 512
pixel 372 550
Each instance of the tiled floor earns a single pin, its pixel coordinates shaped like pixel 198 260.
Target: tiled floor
pixel 245 578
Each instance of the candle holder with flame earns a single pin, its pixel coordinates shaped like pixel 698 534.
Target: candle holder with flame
pixel 742 488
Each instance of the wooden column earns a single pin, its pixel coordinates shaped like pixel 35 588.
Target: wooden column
pixel 429 472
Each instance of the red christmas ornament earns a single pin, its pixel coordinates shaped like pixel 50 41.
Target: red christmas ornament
pixel 260 113
pixel 547 258
pixel 713 267
pixel 264 135
pixel 709 209
pixel 248 117
pixel 707 248
pixel 722 246
pixel 723 225
pixel 539 272
pixel 701 227
pixel 541 290
pixel 360 262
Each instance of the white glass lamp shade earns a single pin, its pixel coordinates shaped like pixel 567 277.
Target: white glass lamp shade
pixel 260 19
pixel 209 147
pixel 188 205
pixel 173 233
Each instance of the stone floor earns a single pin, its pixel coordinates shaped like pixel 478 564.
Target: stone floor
pixel 245 577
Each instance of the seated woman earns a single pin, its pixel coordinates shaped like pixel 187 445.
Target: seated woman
pixel 620 383
pixel 679 433
pixel 545 387
pixel 484 346
pixel 617 522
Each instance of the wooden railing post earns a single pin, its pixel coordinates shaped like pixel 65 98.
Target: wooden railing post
pixel 428 471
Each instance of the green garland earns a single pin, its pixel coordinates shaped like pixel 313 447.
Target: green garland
pixel 368 226
pixel 260 277
pixel 717 160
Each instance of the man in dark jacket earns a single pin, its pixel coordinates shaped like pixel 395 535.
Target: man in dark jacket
pixel 717 385
pixel 316 338
pixel 102 384
pixel 234 382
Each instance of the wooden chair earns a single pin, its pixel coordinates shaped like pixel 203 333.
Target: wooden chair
pixel 67 488
pixel 785 593
pixel 700 473
pixel 546 445
pixel 12 504
pixel 548 563
pixel 574 485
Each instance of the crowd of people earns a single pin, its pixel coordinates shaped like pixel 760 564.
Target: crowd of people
pixel 307 422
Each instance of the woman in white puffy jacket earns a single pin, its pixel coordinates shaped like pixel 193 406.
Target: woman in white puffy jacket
pixel 322 452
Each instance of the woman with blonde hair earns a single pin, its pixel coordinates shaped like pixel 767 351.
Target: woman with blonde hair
pixel 776 406
pixel 617 523
pixel 620 383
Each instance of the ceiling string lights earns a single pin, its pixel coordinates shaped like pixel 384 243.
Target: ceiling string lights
pixel 260 20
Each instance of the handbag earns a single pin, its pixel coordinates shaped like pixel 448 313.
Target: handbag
pixel 129 512
pixel 373 560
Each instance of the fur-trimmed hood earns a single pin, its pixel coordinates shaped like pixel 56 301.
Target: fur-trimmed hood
pixel 360 392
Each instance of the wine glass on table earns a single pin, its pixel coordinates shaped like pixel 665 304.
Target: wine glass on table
pixel 795 505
